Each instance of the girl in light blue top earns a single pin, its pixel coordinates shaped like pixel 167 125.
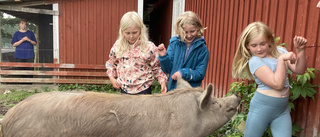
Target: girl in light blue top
pixel 259 58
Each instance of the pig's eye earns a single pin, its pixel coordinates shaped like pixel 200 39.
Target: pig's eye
pixel 230 109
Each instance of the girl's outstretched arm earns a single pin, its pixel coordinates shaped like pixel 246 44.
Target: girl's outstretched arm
pixel 299 66
pixel 166 58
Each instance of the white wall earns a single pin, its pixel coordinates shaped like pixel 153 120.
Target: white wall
pixel 55 7
pixel 140 8
pixel 178 8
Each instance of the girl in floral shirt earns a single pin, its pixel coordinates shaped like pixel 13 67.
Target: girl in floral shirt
pixel 133 60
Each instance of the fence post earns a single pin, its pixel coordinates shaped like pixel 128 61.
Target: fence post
pixel 0 43
pixel 55 61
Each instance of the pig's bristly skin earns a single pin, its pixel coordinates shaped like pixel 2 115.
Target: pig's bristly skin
pixel 184 112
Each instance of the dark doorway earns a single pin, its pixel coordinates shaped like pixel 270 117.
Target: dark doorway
pixel 45 39
pixel 158 18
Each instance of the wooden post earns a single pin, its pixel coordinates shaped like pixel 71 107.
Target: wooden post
pixel 1 16
pixel 37 46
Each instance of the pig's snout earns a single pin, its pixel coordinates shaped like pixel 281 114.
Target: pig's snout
pixel 238 99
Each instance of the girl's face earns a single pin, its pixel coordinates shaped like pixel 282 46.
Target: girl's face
pixel 132 34
pixel 259 46
pixel 191 32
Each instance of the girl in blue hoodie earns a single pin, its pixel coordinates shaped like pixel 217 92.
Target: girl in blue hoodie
pixel 187 55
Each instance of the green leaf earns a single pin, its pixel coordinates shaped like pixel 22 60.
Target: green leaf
pixel 311 69
pixel 283 44
pixel 312 75
pixel 291 106
pixel 298 78
pixel 277 39
pixel 295 93
pixel 311 94
pixel 303 80
pixel 307 75
pixel 295 129
pixel 309 89
pixel 303 94
pixel 289 71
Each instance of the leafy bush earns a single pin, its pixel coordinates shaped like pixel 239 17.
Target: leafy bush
pixel 302 86
pixel 156 88
pixel 86 87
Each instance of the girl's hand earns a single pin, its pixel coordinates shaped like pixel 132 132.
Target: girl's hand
pixel 299 42
pixel 114 82
pixel 26 39
pixel 163 87
pixel 176 75
pixel 162 49
pixel 290 56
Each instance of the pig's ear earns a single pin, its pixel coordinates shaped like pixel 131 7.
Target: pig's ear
pixel 205 96
pixel 181 83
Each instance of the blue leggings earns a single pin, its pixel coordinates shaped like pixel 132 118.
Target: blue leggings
pixel 266 110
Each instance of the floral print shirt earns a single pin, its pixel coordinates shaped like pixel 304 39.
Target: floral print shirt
pixel 135 70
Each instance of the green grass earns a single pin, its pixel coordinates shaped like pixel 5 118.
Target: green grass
pixel 10 99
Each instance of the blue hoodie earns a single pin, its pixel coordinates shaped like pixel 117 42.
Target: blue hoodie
pixel 192 68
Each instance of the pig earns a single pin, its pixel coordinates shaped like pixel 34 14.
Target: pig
pixel 184 112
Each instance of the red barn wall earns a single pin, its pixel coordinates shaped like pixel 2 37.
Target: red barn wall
pixel 88 29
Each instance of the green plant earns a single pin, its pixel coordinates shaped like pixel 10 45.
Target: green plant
pixel 302 85
pixel 86 87
pixel 227 130
pixel 295 129
pixel 47 89
pixel 156 87
pixel 245 92
pixel 277 39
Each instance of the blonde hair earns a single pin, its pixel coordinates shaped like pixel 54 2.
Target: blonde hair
pixel 130 19
pixel 189 18
pixel 240 64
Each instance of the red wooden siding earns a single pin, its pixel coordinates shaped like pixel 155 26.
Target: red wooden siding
pixel 225 19
pixel 88 29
